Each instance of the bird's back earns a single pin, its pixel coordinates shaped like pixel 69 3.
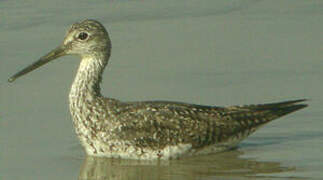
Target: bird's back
pixel 157 125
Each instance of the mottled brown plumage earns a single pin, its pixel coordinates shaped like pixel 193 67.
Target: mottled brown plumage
pixel 151 129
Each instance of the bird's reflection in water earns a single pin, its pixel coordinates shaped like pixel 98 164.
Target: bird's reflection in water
pixel 225 165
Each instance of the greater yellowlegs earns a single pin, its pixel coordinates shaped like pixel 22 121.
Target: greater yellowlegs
pixel 151 129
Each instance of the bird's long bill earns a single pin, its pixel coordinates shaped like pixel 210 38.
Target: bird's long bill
pixel 57 52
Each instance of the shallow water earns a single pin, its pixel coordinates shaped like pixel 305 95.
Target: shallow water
pixel 202 52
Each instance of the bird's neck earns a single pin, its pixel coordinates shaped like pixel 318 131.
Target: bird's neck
pixel 86 85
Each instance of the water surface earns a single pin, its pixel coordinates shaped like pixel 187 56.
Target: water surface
pixel 203 52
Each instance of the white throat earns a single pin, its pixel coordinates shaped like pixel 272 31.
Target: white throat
pixel 88 78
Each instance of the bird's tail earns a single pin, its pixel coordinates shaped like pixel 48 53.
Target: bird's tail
pixel 249 118
pixel 278 109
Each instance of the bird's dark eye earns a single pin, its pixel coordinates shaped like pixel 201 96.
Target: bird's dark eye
pixel 83 36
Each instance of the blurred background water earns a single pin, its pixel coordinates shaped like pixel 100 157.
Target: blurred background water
pixel 204 52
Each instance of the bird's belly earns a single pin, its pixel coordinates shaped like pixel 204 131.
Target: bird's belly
pixel 107 145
